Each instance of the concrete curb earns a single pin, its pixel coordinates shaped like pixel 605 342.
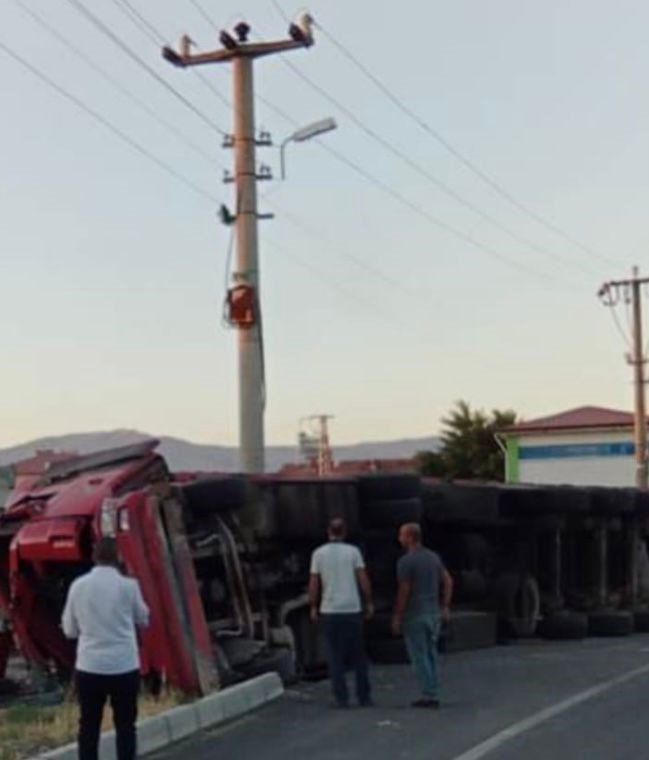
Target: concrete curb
pixel 183 721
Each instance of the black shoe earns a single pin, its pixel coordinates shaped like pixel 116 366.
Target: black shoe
pixel 367 703
pixel 426 702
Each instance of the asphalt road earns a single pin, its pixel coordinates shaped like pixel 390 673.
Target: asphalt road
pixel 538 701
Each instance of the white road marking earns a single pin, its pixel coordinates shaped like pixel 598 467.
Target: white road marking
pixel 516 729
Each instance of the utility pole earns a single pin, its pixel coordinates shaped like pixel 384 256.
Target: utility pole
pixel 315 445
pixel 610 295
pixel 244 304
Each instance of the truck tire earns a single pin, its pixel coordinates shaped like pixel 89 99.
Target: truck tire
pixel 372 488
pixel 217 495
pixel 390 513
pixel 610 623
pixel 564 625
pixel 641 621
pixel 518 603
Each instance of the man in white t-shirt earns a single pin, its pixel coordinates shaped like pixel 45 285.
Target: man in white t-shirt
pixel 337 573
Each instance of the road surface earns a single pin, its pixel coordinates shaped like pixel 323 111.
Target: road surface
pixel 537 700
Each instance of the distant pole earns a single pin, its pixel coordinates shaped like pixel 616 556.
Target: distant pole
pixel 610 295
pixel 244 299
pixel 639 383
pixel 325 455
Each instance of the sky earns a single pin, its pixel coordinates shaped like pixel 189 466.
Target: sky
pixel 112 271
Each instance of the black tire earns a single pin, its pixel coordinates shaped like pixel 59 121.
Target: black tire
pixel 390 514
pixel 388 487
pixel 217 495
pixel 641 621
pixel 388 651
pixel 610 623
pixel 564 625
pixel 468 629
pixel 518 604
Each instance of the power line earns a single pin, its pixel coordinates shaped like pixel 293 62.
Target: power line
pixel 205 15
pixel 115 130
pixel 107 31
pixel 396 195
pixel 323 276
pixel 171 128
pixel 147 28
pixel 361 263
pixel 154 35
pixel 459 155
pixel 423 172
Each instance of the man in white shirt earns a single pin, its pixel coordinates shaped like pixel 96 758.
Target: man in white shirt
pixel 102 611
pixel 337 572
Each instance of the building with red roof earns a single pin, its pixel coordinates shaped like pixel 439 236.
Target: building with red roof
pixel 588 445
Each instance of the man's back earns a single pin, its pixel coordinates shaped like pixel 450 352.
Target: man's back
pixel 102 611
pixel 336 563
pixel 422 569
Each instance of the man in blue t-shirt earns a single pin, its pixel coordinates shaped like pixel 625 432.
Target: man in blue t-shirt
pixel 418 612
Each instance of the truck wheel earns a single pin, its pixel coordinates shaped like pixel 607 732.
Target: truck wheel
pixel 389 487
pixel 390 514
pixel 610 623
pixel 518 603
pixel 217 495
pixel 564 625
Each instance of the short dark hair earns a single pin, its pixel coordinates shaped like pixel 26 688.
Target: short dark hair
pixel 105 552
pixel 337 527
pixel 414 530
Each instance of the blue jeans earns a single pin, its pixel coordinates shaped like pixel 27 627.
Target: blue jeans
pixel 346 651
pixel 421 632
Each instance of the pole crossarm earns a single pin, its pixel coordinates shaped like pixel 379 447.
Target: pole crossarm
pixel 622 283
pixel 186 58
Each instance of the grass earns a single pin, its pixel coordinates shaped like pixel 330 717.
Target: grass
pixel 26 730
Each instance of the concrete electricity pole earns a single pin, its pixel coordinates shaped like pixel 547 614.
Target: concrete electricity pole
pixel 610 295
pixel 243 298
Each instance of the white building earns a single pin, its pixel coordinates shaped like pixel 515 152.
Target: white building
pixel 589 445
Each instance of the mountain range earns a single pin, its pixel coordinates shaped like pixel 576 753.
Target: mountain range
pixel 185 455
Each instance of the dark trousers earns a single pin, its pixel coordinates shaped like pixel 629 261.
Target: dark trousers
pixel 345 651
pixel 93 690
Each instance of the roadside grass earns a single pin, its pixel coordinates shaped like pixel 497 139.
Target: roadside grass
pixel 26 730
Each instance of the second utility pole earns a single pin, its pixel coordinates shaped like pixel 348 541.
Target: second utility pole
pixel 243 298
pixel 609 292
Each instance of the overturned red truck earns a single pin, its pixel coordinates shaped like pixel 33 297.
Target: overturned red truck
pixel 223 560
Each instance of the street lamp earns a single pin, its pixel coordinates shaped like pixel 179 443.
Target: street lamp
pixel 306 133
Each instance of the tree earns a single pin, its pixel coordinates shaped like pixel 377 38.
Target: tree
pixel 469 449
